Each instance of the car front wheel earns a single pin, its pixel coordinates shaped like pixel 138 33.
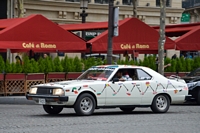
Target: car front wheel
pixel 85 104
pixel 50 109
pixel 160 104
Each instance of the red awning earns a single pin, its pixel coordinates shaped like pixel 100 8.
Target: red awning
pixel 181 26
pixel 85 26
pixel 178 29
pixel 39 34
pixel 133 35
pixel 189 41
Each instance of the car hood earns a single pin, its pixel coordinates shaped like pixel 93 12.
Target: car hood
pixel 191 79
pixel 70 83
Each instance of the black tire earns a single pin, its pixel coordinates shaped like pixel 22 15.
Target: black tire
pixel 53 110
pixel 160 104
pixel 85 105
pixel 127 109
pixel 198 97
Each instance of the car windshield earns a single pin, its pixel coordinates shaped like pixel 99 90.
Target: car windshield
pixel 97 73
pixel 195 72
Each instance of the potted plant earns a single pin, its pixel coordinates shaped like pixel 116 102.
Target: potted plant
pixel 56 74
pixel 14 79
pixel 2 68
pixel 73 67
pixel 33 73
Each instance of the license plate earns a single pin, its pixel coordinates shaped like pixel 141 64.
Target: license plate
pixel 42 101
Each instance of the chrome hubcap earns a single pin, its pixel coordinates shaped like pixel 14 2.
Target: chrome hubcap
pixel 86 104
pixel 161 102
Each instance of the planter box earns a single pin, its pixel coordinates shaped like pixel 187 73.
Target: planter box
pixel 73 75
pixel 2 91
pixel 34 79
pixel 180 74
pixel 55 76
pixel 1 76
pixel 15 83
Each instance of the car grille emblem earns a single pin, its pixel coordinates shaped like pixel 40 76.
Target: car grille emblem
pixel 50 91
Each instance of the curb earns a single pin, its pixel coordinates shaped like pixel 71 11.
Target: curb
pixel 16 100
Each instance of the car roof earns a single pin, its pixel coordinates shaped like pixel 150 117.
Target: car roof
pixel 113 55
pixel 147 69
pixel 121 66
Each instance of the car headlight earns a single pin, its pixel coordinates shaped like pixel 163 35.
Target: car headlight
pixel 58 92
pixel 33 90
pixel 190 85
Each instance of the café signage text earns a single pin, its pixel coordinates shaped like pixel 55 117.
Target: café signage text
pixel 38 45
pixel 136 46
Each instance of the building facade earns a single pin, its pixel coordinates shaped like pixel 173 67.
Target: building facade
pixel 192 8
pixel 68 11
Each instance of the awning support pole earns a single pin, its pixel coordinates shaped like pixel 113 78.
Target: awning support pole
pixel 110 32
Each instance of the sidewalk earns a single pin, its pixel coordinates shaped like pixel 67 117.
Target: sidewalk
pixel 15 100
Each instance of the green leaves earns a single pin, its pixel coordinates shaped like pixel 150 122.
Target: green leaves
pixel 8 67
pixel 2 65
pixel 57 65
pixel 45 65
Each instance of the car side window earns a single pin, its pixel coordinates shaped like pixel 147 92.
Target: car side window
pixel 142 75
pixel 134 74
pixel 123 75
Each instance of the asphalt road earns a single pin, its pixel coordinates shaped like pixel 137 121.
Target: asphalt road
pixel 33 119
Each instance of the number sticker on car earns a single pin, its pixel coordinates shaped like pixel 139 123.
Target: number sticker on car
pixel 42 101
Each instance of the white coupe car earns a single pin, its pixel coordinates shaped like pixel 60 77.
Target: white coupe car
pixel 101 87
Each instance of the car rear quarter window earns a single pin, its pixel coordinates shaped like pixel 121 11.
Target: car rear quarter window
pixel 142 75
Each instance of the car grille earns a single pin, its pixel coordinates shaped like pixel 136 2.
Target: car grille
pixel 44 91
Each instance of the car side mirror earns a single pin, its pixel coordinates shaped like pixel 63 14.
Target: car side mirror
pixel 115 80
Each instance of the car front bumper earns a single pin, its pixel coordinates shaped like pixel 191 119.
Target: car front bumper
pixel 188 97
pixel 48 98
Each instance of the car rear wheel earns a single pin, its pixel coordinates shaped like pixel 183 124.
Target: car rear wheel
pixel 50 109
pixel 85 104
pixel 127 109
pixel 160 104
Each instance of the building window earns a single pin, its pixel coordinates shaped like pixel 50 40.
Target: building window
pixel 168 3
pixel 197 3
pixel 127 2
pixel 73 0
pixel 101 1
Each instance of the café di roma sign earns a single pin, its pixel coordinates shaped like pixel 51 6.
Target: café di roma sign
pixel 39 45
pixel 136 46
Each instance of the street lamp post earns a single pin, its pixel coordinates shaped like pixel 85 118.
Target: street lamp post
pixel 83 6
